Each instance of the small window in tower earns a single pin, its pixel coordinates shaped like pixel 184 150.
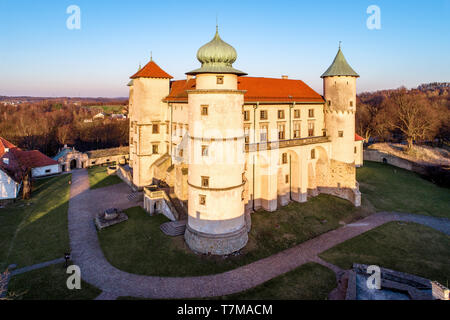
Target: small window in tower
pixel 180 153
pixel 311 113
pixel 284 158
pixel 204 110
pixel 155 128
pixel 202 199
pixel 355 150
pixel 296 113
pixel 155 149
pixel 204 151
pixel 263 114
pixel 313 153
pixel 351 103
pixel 246 115
pixel 280 114
pixel 219 79
pixel 286 178
pixel 341 134
pixel 205 182
pixel 329 102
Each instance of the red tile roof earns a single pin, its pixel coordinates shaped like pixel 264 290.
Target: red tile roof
pixel 258 89
pixel 358 137
pixel 151 70
pixel 33 158
pixel 5 144
pixel 20 160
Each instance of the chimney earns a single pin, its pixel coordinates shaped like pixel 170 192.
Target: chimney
pixel 284 77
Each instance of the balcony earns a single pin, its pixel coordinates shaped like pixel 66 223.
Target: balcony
pixel 252 147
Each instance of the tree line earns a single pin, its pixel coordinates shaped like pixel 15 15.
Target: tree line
pixel 47 126
pixel 415 116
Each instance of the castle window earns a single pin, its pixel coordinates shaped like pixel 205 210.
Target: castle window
pixel 281 131
pixel 204 110
pixel 205 182
pixel 280 114
pixel 219 79
pixel 284 158
pixel 263 133
pixel 167 128
pixel 155 149
pixel 247 134
pixel 202 199
pixel 204 151
pixel 313 153
pixel 263 114
pixel 310 129
pixel 329 102
pixel 351 103
pixel 311 113
pixel 155 128
pixel 296 130
pixel 286 178
pixel 296 113
pixel 180 153
pixel 355 150
pixel 246 115
pixel 341 134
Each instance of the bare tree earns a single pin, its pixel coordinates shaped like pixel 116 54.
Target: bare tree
pixel 413 116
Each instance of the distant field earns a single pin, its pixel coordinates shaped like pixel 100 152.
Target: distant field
pixel 109 108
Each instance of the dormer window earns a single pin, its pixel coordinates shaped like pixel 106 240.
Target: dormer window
pixel 219 79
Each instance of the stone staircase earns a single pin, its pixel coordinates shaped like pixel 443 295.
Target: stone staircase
pixel 174 228
pixel 181 210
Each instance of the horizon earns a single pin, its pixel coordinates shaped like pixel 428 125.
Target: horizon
pixel 41 57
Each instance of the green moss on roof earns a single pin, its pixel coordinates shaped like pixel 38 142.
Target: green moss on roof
pixel 340 67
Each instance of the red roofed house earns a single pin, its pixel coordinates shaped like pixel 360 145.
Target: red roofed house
pixel 229 144
pixel 16 164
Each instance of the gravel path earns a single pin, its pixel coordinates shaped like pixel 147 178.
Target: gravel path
pixel 96 270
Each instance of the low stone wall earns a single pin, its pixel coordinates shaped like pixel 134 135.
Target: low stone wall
pixel 378 156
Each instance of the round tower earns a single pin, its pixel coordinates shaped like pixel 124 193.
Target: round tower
pixel 216 223
pixel 339 90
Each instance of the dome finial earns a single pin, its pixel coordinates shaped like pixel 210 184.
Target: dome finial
pixel 151 56
pixel 340 42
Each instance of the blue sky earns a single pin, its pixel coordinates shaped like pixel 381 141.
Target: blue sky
pixel 39 56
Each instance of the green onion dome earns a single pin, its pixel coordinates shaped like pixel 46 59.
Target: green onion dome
pixel 216 56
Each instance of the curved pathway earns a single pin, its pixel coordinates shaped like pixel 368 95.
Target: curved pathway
pixel 96 270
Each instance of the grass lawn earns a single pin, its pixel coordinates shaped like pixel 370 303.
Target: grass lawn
pixel 390 188
pixel 49 284
pixel 98 178
pixel 405 247
pixel 310 281
pixel 36 230
pixel 138 246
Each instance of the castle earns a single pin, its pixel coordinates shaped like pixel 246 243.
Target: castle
pixel 227 144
